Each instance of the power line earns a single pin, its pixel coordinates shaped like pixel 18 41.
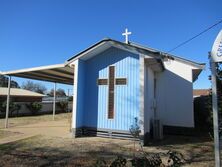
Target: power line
pixel 190 39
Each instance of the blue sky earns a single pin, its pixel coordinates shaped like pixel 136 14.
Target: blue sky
pixel 43 32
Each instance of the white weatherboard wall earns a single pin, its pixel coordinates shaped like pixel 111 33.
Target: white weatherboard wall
pixel 149 96
pixel 174 94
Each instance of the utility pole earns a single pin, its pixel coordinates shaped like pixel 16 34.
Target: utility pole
pixel 215 114
pixel 215 57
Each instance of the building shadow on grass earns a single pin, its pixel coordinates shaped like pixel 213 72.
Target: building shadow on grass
pixel 26 154
pixel 38 151
pixel 179 140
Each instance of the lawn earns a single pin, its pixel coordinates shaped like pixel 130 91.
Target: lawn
pixel 25 120
pixel 43 150
pixel 46 151
pixel 4 134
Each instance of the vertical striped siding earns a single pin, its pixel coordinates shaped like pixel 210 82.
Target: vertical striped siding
pixel 126 97
pixel 81 93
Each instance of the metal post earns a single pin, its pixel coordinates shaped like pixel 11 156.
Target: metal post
pixel 68 93
pixel 8 101
pixel 215 115
pixel 54 101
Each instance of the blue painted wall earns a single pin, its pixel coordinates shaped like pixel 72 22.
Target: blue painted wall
pixel 94 111
pixel 80 93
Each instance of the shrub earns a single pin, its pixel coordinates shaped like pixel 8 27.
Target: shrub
pixel 146 160
pixel 153 161
pixel 63 105
pixel 203 113
pixel 175 159
pixel 2 109
pixel 12 107
pixel 70 98
pixel 119 162
pixel 34 107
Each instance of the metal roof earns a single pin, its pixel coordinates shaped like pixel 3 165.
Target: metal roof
pixel 59 73
pixel 63 73
pixel 133 47
pixel 19 92
pixel 105 43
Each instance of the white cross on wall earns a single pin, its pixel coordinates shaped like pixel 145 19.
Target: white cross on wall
pixel 126 34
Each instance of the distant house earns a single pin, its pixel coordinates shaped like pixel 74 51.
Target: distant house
pixel 201 92
pixel 20 95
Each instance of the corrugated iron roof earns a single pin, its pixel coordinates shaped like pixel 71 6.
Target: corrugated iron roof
pixel 59 73
pixel 136 48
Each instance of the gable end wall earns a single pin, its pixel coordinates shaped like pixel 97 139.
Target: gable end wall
pixel 174 95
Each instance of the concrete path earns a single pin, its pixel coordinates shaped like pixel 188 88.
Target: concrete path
pixel 47 128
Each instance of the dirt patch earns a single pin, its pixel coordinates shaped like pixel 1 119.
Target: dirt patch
pixel 4 134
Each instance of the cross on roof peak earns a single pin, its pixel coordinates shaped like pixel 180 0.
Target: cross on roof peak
pixel 126 34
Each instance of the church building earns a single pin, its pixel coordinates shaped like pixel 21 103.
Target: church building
pixel 116 82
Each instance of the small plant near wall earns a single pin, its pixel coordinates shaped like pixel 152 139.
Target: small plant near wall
pixel 135 132
pixel 34 107
pixel 143 159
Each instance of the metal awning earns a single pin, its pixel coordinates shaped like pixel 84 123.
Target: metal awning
pixel 59 73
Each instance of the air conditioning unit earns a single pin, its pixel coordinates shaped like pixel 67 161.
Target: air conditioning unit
pixel 157 129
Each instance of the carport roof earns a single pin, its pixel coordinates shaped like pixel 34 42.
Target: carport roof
pixel 59 73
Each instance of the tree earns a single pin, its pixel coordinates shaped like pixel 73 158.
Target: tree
pixel 219 97
pixel 59 93
pixel 63 105
pixel 203 113
pixel 4 82
pixel 35 87
pixel 12 107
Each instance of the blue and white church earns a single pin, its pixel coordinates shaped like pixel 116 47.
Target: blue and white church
pixel 116 82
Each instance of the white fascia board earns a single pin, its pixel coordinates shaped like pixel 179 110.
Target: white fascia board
pixel 83 54
pixel 193 65
pixel 33 69
pixel 179 58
